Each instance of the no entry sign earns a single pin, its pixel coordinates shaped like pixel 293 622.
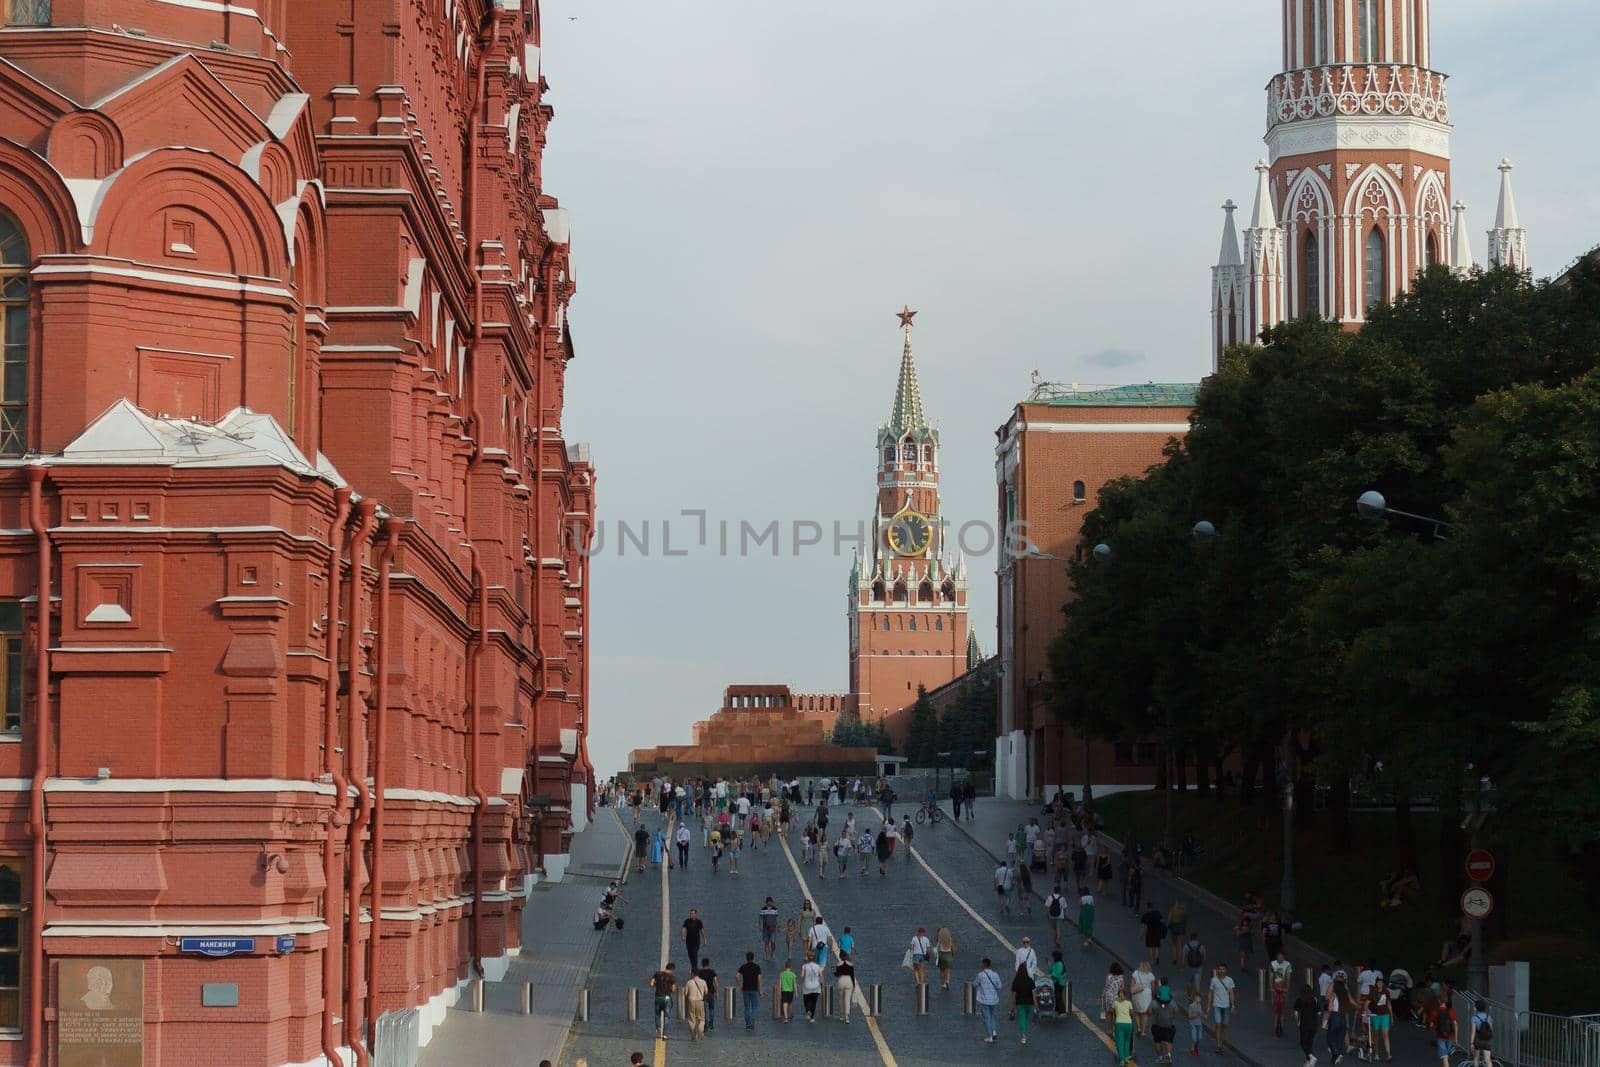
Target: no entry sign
pixel 1480 865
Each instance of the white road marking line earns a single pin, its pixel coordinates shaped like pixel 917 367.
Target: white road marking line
pixel 860 1001
pixel 1077 1012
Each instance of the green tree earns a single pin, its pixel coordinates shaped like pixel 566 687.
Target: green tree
pixel 850 732
pixel 922 735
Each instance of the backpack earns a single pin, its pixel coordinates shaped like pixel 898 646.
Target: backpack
pixel 1485 1029
pixel 1442 1023
pixel 1193 954
pixel 1054 906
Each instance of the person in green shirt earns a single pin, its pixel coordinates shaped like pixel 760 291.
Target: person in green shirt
pixel 786 980
pixel 1058 976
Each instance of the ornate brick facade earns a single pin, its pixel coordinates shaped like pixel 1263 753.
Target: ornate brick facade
pixel 284 313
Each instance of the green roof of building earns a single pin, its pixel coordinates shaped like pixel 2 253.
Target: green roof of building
pixel 1148 395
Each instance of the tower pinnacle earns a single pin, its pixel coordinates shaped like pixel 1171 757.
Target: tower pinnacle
pixel 1461 254
pixel 1508 241
pixel 907 413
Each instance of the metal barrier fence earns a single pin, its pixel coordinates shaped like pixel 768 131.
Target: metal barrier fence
pixel 1533 1038
pixel 395 1044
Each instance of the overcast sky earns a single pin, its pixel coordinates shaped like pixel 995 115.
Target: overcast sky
pixel 758 185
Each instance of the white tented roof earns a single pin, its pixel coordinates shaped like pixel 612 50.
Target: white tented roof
pixel 241 438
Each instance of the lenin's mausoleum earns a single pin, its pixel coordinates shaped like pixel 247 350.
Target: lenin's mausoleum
pixel 292 602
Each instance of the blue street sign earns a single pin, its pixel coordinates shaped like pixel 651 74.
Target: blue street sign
pixel 217 946
pixel 285 942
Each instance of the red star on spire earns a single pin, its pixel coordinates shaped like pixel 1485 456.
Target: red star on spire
pixel 906 315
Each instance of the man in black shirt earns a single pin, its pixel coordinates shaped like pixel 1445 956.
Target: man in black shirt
pixel 709 976
pixel 664 983
pixel 694 935
pixel 641 845
pixel 750 985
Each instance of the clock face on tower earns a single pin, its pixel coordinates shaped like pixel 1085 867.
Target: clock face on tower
pixel 909 533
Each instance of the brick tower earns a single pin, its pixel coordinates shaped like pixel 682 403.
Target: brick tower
pixel 908 592
pixel 1354 199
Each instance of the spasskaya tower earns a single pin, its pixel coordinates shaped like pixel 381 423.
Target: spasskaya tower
pixel 908 590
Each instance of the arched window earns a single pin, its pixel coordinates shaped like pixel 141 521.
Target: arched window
pixel 877 590
pixel 13 338
pixel 1080 493
pixel 1367 30
pixel 1373 277
pixel 1430 252
pixel 927 455
pixel 1311 295
pixel 925 593
pixel 948 590
pixel 888 455
pixel 909 453
pixel 938 624
pixel 913 624
pixel 901 596
pixel 885 622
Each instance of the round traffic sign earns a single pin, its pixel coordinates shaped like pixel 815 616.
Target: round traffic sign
pixel 1480 865
pixel 1477 903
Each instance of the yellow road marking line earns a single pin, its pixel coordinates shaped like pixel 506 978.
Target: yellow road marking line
pixel 1077 1012
pixel 860 1001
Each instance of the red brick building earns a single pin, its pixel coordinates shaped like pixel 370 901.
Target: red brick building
pixel 1055 453
pixel 292 602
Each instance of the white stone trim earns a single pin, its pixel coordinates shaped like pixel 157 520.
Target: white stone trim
pixel 181 785
pixel 185 928
pixel 193 281
pixel 1375 132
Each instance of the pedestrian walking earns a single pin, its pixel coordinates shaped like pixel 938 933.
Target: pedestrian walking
pixel 1481 1035
pixel 750 987
pixel 767 922
pixel 681 838
pixel 1219 999
pixel 864 848
pixel 905 835
pixel 708 974
pixel 1023 882
pixel 841 851
pixel 786 984
pixel 1022 987
pixel 716 850
pixel 641 844
pixel 847 943
pixel 1382 1009
pixel 1281 974
pixel 664 983
pixel 1177 928
pixel 844 982
pixel 1136 887
pixel 1244 936
pixel 1086 916
pixel 1122 1026
pixel 1141 990
pixel 1055 909
pixel 1155 931
pixel 1002 887
pixel 1163 1026
pixel 1194 958
pixel 986 990
pixel 921 949
pixel 1102 874
pixel 810 987
pixel 694 935
pixel 695 991
pixel 820 937
pixel 1308 1019
pixel 1114 987
pixel 880 845
pixel 1336 1022
pixel 944 944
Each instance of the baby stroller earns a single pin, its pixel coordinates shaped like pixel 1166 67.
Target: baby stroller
pixel 1039 858
pixel 1045 1003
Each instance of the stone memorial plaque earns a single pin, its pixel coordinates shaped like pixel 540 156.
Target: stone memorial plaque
pixel 100 1014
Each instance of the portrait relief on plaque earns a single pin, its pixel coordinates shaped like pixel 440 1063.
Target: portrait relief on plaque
pixel 100 1013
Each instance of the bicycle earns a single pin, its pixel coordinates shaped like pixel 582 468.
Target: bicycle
pixel 935 814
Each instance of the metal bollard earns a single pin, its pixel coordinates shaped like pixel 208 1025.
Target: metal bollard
pixel 1261 983
pixel 730 1003
pixel 922 998
pixel 583 1005
pixel 777 1001
pixel 969 999
pixel 527 998
pixel 874 1000
pixel 633 1005
pixel 1068 1008
pixel 680 1005
pixel 827 1002
pixel 476 994
pixel 1309 980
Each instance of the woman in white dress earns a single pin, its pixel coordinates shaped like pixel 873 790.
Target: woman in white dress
pixel 1141 987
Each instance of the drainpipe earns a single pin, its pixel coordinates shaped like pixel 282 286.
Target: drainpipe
pixel 474 757
pixel 356 755
pixel 41 767
pixel 474 240
pixel 331 766
pixel 380 778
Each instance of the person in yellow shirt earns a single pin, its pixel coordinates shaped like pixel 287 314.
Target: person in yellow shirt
pixel 1122 1028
